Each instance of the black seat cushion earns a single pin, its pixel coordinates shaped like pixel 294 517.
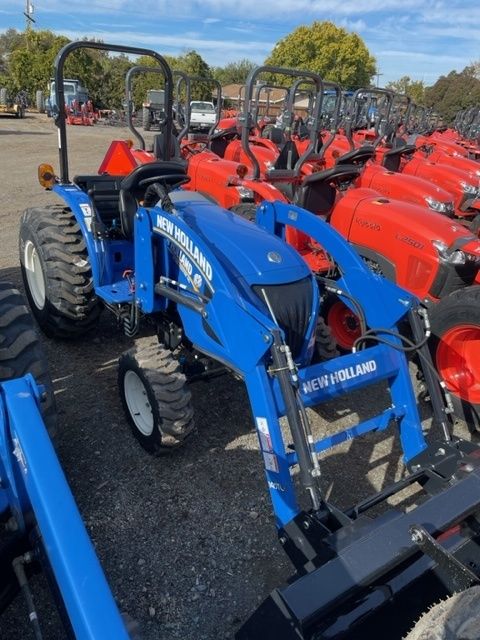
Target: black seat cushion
pixel 276 135
pixel 103 191
pixel 128 208
pixel 288 156
pixel 159 149
pixel 318 197
pixel 392 157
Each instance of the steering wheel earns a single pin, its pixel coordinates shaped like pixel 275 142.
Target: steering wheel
pixel 194 147
pixel 172 179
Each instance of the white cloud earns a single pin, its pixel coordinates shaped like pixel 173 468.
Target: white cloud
pixel 216 52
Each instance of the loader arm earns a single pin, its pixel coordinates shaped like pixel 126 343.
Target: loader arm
pixel 34 483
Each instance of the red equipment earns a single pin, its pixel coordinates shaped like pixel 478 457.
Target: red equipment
pixel 424 252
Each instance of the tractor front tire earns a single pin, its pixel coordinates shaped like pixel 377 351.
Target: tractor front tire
pixel 455 325
pixel 155 397
pixel 247 211
pixel 455 618
pixel 20 350
pixel 56 272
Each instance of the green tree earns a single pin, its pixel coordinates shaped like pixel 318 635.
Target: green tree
pixel 330 51
pixel 234 72
pixel 454 92
pixel 30 64
pixel 415 89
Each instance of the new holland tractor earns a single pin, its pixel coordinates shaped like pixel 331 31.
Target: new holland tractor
pixel 40 526
pixel 216 287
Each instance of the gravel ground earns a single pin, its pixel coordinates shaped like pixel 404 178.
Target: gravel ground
pixel 187 542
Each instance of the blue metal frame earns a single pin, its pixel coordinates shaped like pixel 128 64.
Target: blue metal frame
pixel 226 255
pixel 33 481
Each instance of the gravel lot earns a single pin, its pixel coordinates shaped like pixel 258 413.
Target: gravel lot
pixel 187 542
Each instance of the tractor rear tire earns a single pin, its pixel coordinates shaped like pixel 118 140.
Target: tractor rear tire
pixel 146 119
pixel 325 344
pixel 247 211
pixel 56 272
pixel 455 618
pixel 455 324
pixel 155 397
pixel 20 349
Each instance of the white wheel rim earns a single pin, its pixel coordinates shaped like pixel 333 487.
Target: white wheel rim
pixel 35 278
pixel 137 402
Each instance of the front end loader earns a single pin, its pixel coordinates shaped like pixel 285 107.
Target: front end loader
pixel 218 289
pixel 40 526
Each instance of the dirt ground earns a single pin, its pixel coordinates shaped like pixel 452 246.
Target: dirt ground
pixel 187 542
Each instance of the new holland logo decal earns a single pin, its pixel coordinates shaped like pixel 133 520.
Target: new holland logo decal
pixel 178 237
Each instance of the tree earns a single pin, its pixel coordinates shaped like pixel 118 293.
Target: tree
pixel 190 63
pixel 415 89
pixel 234 72
pixel 193 64
pixel 454 92
pixel 328 50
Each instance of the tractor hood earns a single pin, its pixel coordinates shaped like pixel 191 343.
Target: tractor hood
pixel 246 251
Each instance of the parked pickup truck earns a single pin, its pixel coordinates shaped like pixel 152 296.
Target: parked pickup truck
pixel 202 115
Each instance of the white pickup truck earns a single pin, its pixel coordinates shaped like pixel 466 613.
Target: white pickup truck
pixel 202 115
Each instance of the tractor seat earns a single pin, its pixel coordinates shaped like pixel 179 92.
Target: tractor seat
pixel 317 194
pixel 175 153
pixel 275 135
pixel 392 158
pixel 219 141
pixel 103 191
pixel 357 156
pixel 131 191
pixel 288 157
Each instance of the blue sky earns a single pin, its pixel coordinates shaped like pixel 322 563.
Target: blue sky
pixel 420 38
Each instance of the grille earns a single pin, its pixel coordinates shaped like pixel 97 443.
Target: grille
pixel 292 306
pixel 451 277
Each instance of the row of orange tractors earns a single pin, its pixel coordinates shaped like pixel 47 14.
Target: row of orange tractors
pixel 401 187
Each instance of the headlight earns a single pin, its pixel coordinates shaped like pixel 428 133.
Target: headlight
pixel 245 193
pixel 468 188
pixel 441 207
pixel 452 257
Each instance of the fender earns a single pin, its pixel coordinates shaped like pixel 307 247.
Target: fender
pixel 105 269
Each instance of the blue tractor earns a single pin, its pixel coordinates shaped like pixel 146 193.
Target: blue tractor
pixel 216 287
pixel 40 526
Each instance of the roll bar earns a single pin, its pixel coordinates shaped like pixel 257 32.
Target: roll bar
pixel 60 119
pixel 245 118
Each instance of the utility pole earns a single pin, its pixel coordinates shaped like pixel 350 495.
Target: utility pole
pixel 28 13
pixel 378 74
